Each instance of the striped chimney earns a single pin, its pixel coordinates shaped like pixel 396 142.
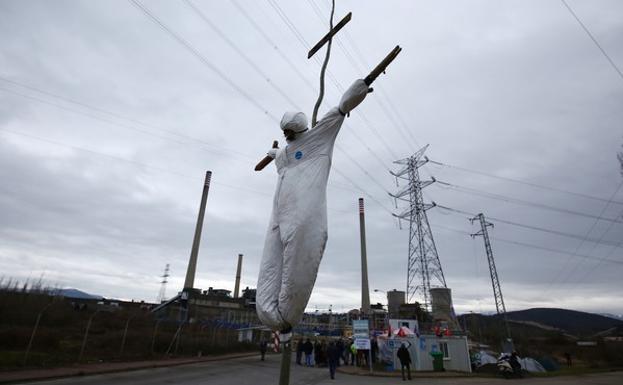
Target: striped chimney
pixel 189 282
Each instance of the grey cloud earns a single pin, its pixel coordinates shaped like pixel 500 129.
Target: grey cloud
pixel 512 89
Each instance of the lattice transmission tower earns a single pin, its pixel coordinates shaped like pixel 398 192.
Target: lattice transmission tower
pixel 423 267
pixel 163 285
pixel 495 281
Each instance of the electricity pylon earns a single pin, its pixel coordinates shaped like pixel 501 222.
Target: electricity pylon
pixel 495 281
pixel 423 266
pixel 163 285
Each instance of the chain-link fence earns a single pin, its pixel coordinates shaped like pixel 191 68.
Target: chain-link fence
pixel 39 330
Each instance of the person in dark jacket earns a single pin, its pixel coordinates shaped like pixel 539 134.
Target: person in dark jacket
pixel 333 357
pixel 514 361
pixel 405 361
pixel 299 351
pixel 308 348
pixel 339 345
pixel 375 350
pixel 317 354
pixel 263 348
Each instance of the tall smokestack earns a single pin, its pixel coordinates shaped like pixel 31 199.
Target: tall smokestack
pixel 238 271
pixel 365 291
pixel 189 282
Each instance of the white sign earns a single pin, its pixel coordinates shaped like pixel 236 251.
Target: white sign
pixel 360 328
pixel 362 343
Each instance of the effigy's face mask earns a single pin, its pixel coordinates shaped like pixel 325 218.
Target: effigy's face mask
pixel 290 135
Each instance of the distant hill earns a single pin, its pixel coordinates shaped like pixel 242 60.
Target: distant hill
pixel 615 316
pixel 571 321
pixel 77 294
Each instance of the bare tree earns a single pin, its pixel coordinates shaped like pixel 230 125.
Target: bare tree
pixel 620 157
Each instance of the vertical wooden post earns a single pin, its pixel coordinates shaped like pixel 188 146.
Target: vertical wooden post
pixel 86 335
pixel 153 338
pixel 125 333
pixel 34 332
pixel 286 358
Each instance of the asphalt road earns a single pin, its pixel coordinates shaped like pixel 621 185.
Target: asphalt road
pixel 252 371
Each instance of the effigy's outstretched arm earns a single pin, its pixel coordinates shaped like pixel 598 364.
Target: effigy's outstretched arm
pixel 354 95
pixel 268 158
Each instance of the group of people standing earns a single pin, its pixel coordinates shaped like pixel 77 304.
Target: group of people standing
pixel 336 353
pixel 331 354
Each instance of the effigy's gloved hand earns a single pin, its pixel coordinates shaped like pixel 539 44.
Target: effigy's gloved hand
pixel 354 95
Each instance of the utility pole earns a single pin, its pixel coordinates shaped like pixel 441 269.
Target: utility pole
pixel 423 262
pixel 497 289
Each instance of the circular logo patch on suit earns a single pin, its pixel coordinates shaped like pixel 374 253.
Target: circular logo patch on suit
pixel 298 155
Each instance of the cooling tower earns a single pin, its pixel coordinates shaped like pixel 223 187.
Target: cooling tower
pixel 443 311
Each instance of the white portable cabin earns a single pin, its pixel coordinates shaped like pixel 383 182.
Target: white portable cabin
pixel 454 349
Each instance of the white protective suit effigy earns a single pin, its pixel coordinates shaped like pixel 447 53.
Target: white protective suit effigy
pixel 297 232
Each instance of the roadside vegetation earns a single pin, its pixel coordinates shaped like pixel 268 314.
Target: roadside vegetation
pixel 60 334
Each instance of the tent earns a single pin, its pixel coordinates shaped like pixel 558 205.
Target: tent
pixel 483 358
pixel 403 331
pixel 531 365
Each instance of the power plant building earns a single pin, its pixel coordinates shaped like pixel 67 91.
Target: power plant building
pixel 395 299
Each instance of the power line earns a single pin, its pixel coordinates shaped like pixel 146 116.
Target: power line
pixel 233 46
pixel 261 73
pixel 259 29
pixel 302 40
pixel 295 31
pixel 361 168
pixel 601 259
pixel 292 27
pixel 320 16
pixel 99 118
pixel 196 53
pixel 202 58
pixel 141 131
pixel 391 116
pixel 533 246
pixel 524 202
pixel 603 51
pixel 464 169
pixel 144 165
pixel 118 116
pixel 530 227
pixel 214 148
pixel 618 71
pixel 223 149
pixel 589 272
pixel 362 190
pixel 283 56
pixel 585 238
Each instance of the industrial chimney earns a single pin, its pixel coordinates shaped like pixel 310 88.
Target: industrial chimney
pixel 189 282
pixel 238 271
pixel 365 291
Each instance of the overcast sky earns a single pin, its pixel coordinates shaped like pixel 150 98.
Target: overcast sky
pixel 108 123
